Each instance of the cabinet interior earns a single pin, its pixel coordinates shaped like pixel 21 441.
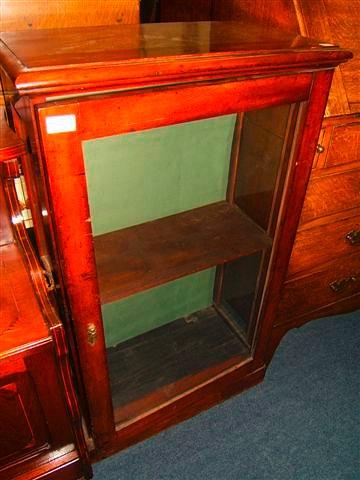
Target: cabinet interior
pixel 182 217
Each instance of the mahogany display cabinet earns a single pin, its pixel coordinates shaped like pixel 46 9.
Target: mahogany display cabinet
pixel 171 162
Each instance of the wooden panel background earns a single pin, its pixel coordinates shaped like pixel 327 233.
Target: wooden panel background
pixel 274 13
pixel 185 10
pixel 330 21
pixel 48 14
pixel 22 14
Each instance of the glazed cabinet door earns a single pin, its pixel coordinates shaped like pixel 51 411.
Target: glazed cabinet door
pixel 166 208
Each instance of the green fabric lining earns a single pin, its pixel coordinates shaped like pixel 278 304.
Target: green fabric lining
pixel 152 308
pixel 138 177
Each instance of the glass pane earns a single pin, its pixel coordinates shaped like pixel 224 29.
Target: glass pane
pixel 239 289
pixel 262 149
pixel 152 367
pixel 165 229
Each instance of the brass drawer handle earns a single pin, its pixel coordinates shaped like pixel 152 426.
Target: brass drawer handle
pixel 353 237
pixel 340 285
pixel 320 148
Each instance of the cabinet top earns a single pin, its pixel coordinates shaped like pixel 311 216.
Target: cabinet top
pixel 74 59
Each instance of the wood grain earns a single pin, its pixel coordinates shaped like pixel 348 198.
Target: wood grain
pixel 63 172
pixel 11 146
pixel 343 24
pixel 163 356
pixel 316 246
pixel 312 291
pixel 39 14
pixel 344 144
pixel 203 65
pixel 185 10
pixel 21 318
pixel 59 403
pixel 6 234
pixel 100 57
pixel 329 194
pixel 275 13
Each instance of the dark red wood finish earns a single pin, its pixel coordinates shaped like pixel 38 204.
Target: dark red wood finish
pixel 190 71
pixel 11 146
pixel 118 56
pixel 41 431
pixel 119 114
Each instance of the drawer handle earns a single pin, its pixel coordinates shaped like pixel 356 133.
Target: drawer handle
pixel 320 148
pixel 340 285
pixel 353 237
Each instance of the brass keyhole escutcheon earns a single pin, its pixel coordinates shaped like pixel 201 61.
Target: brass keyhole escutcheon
pixel 91 333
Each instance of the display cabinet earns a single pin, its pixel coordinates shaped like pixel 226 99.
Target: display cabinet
pixel 174 161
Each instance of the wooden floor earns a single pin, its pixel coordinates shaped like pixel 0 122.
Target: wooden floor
pixel 158 359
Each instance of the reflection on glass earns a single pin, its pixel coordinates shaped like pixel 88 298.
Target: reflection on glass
pixel 165 233
pixel 261 153
pixel 239 285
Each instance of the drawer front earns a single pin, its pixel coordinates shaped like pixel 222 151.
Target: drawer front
pixel 318 245
pixel 344 145
pixel 338 279
pixel 330 194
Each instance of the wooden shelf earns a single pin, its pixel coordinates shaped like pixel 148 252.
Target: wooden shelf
pixel 144 256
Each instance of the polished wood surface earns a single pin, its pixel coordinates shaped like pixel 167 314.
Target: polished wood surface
pixel 343 147
pixel 227 69
pixel 331 193
pixel 58 60
pixel 36 432
pixel 231 10
pixel 185 10
pixel 330 21
pixel 335 21
pixel 21 414
pixel 141 257
pixel 328 228
pixel 320 243
pixel 39 404
pixel 80 271
pixel 63 159
pixel 6 233
pixel 37 14
pixel 11 146
pixel 278 14
pixel 21 318
pixel 329 283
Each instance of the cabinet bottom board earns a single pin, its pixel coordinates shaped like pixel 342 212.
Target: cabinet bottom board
pixel 150 368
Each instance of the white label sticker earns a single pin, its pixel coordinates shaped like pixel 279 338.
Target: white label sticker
pixel 61 123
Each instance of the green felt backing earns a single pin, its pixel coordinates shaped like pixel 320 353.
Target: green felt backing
pixel 152 308
pixel 138 177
